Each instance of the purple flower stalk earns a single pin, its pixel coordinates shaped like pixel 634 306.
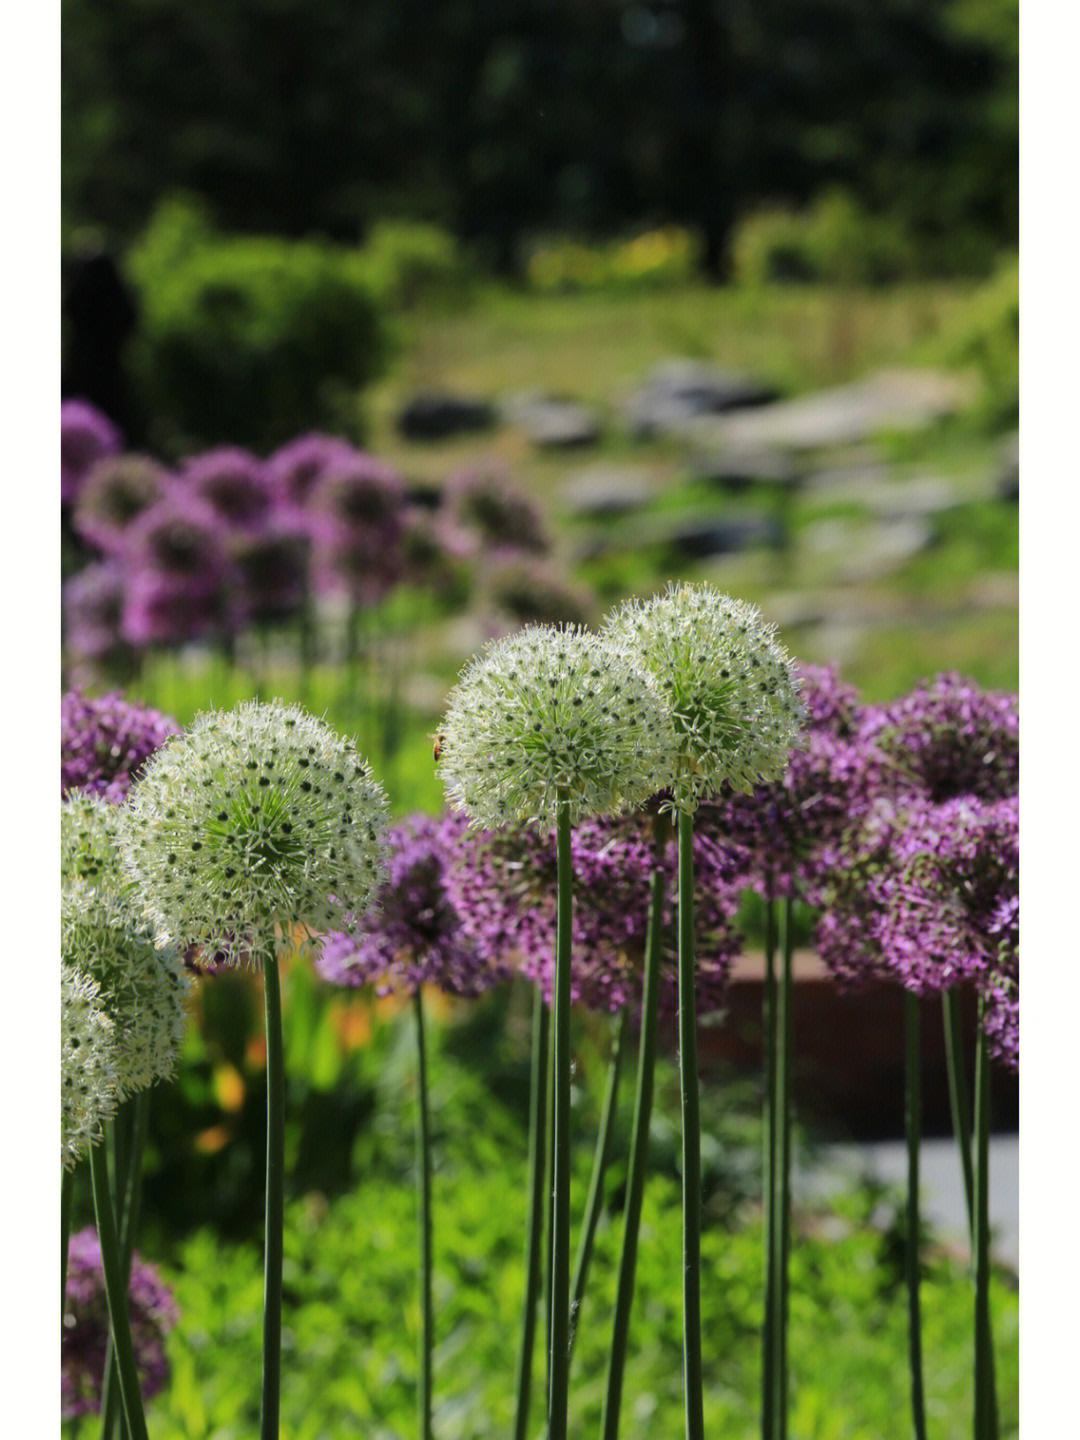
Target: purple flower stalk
pixel 86 435
pixel 412 934
pixel 152 1312
pixel 105 742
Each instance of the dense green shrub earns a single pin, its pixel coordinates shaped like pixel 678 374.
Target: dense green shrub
pixel 406 264
pixel 653 258
pixel 834 241
pixel 246 339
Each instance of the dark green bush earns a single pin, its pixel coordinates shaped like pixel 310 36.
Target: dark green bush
pixel 247 339
pixel 988 337
pixel 833 241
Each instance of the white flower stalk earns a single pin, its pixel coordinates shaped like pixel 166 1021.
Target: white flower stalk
pixel 256 823
pixel 732 687
pixel 548 716
pixel 88 1079
pixel 89 827
pixel 143 987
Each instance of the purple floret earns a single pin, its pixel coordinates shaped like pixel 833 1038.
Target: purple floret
pixel 233 484
pixel 152 1313
pixel 294 469
pixel 93 601
pixel 86 435
pixel 356 520
pixel 105 742
pixel 412 935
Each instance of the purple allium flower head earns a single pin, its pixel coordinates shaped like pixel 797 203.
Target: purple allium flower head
pixel 105 742
pixel 926 896
pixel 152 1313
pixel 93 600
pixel 271 571
pixel 789 835
pixel 86 435
pixel 295 468
pixel 431 551
pixel 412 934
pixel 486 501
pixel 114 494
pixel 356 519
pixel 180 581
pixel 949 738
pixel 1001 990
pixel 233 484
pixel 503 883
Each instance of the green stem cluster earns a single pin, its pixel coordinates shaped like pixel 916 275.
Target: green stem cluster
pixel 560 1248
pixel 913 1126
pixel 538 1107
pixel 270 1406
pixel 423 1141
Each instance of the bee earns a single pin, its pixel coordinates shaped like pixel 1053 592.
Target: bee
pixel 436 749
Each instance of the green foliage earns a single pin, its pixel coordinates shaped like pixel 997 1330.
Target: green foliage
pixel 835 240
pixel 246 340
pixel 652 259
pixel 351 1300
pixel 407 265
pixel 987 336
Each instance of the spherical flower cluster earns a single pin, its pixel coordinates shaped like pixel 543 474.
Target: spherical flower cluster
pixel 105 742
pixel 294 469
pixel 89 827
pixel 356 519
pixel 252 823
pixel 949 738
pixel 93 605
pixel 116 492
pixel 731 687
pixel 179 578
pixel 88 1079
pixel 486 502
pixel 412 934
pixel 790 835
pixel 143 987
pixel 233 484
pixel 503 884
pixel 152 1313
pixel 551 716
pixel 1001 990
pixel 86 435
pixel 271 567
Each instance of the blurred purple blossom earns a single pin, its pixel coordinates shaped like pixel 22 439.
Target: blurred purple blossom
pixel 105 741
pixel 115 493
pixel 93 601
pixel 180 581
pixel 294 469
pixel 412 934
pixel 86 435
pixel 271 571
pixel 233 484
pixel 487 502
pixel 356 519
pixel 152 1314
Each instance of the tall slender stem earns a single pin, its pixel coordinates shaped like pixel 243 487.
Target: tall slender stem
pixel 423 1141
pixel 768 1355
pixel 594 1202
pixel 782 1176
pixel 275 1202
pixel 985 1400
pixel 116 1294
pixel 913 1120
pixel 691 1138
pixel 137 1116
pixel 560 1250
pixel 959 1099
pixel 639 1145
pixel 549 1207
pixel 67 1204
pixel 541 1029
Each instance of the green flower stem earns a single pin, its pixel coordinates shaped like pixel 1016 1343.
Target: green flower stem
pixel 116 1294
pixel 423 1140
pixel 595 1200
pixel 913 1119
pixel 560 1249
pixel 691 1138
pixel 959 1099
pixel 275 1201
pixel 768 1026
pixel 986 1427
pixel 639 1145
pixel 549 1206
pixel 541 1043
pixel 67 1203
pixel 782 1178
pixel 138 1117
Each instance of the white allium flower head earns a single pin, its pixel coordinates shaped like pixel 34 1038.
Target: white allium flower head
pixel 88 1081
pixel 732 687
pixel 255 822
pixel 143 988
pixel 551 714
pixel 89 827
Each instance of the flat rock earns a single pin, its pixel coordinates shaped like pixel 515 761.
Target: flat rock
pixel 606 492
pixel 554 422
pixel 697 539
pixel 735 471
pixel 878 489
pixel 441 416
pixel 679 391
pixel 857 552
pixel 846 415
